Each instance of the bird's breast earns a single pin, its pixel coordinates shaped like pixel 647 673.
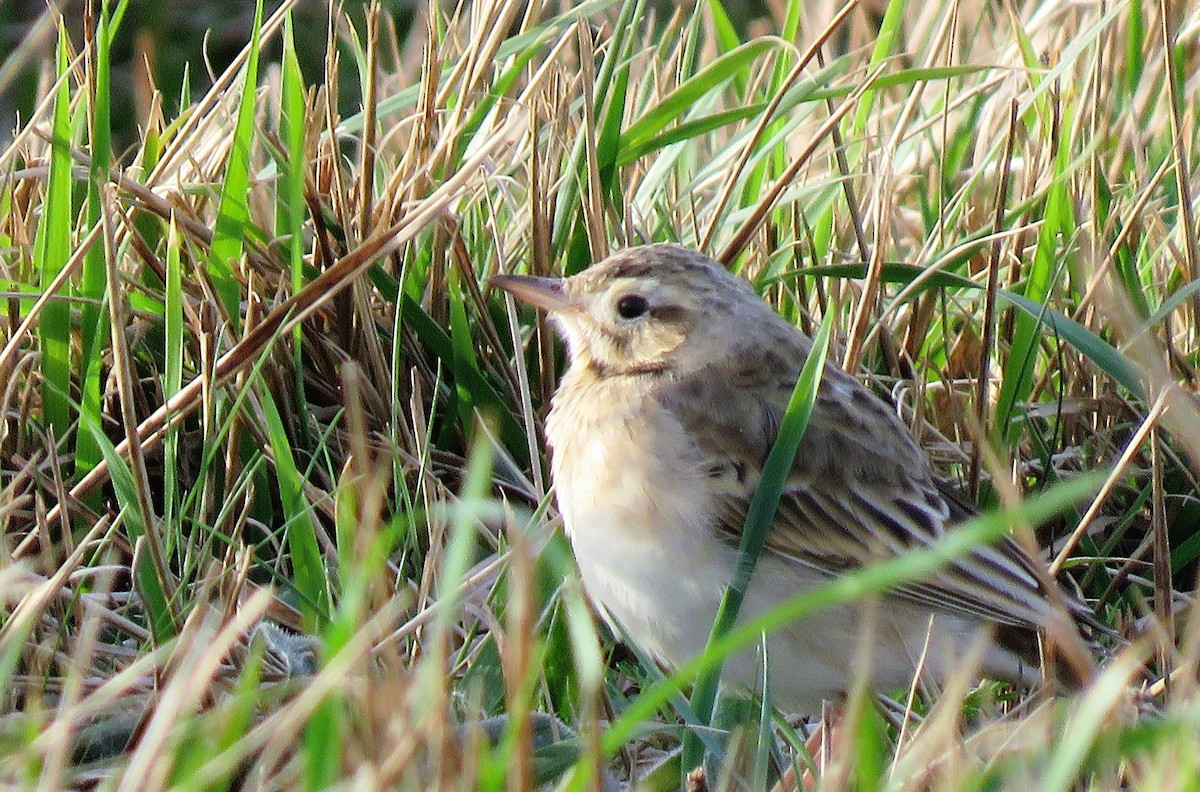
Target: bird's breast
pixel 638 512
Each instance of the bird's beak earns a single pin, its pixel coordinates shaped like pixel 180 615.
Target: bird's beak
pixel 545 293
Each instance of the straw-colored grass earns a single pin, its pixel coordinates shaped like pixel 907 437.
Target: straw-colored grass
pixel 252 376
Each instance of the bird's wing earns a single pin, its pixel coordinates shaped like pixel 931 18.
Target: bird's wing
pixel 860 488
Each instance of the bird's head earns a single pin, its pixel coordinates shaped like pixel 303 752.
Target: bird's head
pixel 651 309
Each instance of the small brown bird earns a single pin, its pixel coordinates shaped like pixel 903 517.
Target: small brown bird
pixel 679 377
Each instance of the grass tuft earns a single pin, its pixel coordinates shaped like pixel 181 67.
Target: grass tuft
pixel 274 501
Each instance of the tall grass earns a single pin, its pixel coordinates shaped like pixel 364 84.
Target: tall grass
pixel 252 376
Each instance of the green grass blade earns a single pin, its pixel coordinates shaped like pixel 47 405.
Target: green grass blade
pixel 1093 347
pixel 301 537
pixel 52 248
pixel 1135 45
pixel 1058 222
pixel 463 362
pixel 569 231
pixel 885 40
pixel 904 78
pixel 609 121
pixel 292 197
pixel 233 214
pixel 1169 305
pixel 700 124
pixel 687 130
pixel 761 515
pixel 726 34
pixel 676 103
pixel 94 324
pixel 173 375
pixel 154 598
pixel 323 745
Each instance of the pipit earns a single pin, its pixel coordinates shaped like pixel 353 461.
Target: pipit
pixel 679 376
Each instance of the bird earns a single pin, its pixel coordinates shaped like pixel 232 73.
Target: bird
pixel 677 380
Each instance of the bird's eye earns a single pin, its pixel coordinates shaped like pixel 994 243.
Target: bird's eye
pixel 631 306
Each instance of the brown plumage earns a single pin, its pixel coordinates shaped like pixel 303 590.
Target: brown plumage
pixel 679 377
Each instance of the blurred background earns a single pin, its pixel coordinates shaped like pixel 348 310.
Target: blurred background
pixel 164 42
pixel 197 38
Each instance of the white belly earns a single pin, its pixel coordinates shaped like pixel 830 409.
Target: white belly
pixel 640 531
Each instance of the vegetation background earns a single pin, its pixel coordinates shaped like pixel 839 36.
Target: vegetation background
pixel 252 374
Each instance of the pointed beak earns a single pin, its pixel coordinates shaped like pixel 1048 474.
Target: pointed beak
pixel 545 293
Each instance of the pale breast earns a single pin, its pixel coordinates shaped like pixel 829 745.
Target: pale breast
pixel 636 508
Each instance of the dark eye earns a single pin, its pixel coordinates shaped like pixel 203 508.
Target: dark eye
pixel 631 306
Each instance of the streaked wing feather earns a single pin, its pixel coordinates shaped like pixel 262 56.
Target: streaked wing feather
pixel 860 488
